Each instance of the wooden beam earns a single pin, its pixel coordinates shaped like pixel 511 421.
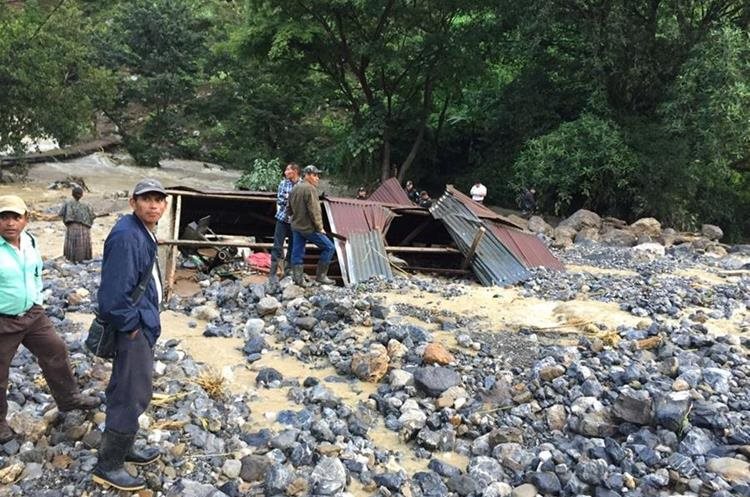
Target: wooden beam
pixel 242 198
pixel 411 236
pixel 260 245
pixel 171 262
pixel 477 238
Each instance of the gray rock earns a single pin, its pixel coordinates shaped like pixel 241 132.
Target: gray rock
pixel 546 482
pixel 696 442
pixel 232 468
pixel 400 378
pixel 718 379
pixel 189 488
pixel 525 490
pixel 328 477
pixel 485 470
pixel 428 484
pixel 254 327
pixel 267 376
pixel 712 232
pixel 582 219
pixel 497 489
pixel 254 468
pixel 278 478
pixel 434 380
pixel 618 238
pixel 634 406
pixel 267 305
pixel 671 410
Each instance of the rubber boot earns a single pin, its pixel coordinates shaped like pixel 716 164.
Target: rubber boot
pixel 6 433
pixel 79 401
pixel 298 275
pixel 109 469
pixel 141 457
pixel 273 276
pixel 321 275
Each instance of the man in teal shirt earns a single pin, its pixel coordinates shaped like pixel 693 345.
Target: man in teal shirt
pixel 22 318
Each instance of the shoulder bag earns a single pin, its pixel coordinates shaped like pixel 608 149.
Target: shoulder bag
pixel 102 338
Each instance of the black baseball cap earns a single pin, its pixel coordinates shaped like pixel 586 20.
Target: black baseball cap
pixel 148 185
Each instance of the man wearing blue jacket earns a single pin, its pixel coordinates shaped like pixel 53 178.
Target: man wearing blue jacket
pixel 130 254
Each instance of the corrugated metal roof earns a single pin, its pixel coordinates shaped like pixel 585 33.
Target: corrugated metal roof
pixel 492 262
pixel 478 209
pixel 366 257
pixel 526 247
pixel 390 191
pixel 357 216
pixel 348 217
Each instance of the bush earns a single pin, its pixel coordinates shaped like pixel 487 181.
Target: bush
pixel 262 175
pixel 581 164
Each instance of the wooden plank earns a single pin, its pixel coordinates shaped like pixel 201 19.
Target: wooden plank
pixel 243 198
pixel 474 244
pixel 172 257
pixel 263 245
pixel 411 236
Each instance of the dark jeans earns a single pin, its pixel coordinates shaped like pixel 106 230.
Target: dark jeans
pixel 35 331
pixel 298 246
pixel 130 386
pixel 281 233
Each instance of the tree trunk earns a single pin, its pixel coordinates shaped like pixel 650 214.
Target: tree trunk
pixel 385 163
pixel 412 154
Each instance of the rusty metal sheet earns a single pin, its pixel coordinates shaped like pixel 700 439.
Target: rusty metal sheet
pixel 366 257
pixel 527 247
pixel 492 262
pixel 347 217
pixel 478 209
pixel 390 191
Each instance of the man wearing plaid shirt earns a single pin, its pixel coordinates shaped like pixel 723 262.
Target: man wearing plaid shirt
pixel 283 230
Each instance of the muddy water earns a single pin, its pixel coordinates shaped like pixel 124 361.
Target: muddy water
pixel 505 308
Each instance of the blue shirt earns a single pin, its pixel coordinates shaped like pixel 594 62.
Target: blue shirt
pixel 282 200
pixel 20 276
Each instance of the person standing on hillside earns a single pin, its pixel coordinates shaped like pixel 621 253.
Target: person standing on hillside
pixel 22 317
pixel 130 262
pixel 307 225
pixel 78 217
pixel 412 192
pixel 283 229
pixel 478 192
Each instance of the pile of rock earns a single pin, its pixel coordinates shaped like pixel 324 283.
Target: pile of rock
pixel 586 227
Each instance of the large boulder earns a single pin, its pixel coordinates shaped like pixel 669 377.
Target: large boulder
pixel 371 365
pixel 712 232
pixel 618 238
pixel 587 235
pixel 539 226
pixel 646 226
pixel 582 219
pixel 563 236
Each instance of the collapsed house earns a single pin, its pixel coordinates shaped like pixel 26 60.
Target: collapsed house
pixel 377 236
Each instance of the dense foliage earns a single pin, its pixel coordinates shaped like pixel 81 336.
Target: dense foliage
pixel 629 107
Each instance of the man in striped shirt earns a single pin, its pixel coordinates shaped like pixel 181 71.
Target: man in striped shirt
pixel 283 230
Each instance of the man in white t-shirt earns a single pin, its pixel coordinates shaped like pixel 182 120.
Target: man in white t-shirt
pixel 478 192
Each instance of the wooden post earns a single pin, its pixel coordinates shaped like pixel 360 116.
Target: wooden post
pixel 171 262
pixel 477 238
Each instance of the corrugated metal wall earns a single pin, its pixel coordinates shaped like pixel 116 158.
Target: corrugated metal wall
pixel 366 257
pixel 493 264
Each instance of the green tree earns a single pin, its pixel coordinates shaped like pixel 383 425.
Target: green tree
pixel 389 67
pixel 709 111
pixel 47 75
pixel 156 48
pixel 582 164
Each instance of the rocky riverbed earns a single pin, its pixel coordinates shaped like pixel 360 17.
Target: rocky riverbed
pixel 609 379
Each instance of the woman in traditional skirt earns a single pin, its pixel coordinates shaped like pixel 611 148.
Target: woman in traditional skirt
pixel 78 218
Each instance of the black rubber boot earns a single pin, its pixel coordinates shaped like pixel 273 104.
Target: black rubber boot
pixel 109 470
pixel 141 457
pixel 273 276
pixel 298 275
pixel 321 275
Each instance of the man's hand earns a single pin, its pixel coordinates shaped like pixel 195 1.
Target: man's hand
pixel 133 334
